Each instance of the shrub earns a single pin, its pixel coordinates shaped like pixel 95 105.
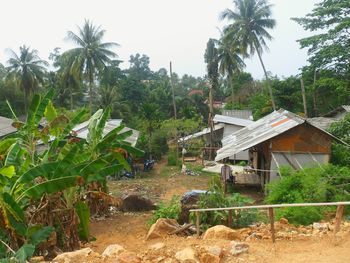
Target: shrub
pixel 172 158
pixel 167 210
pixel 215 198
pixel 328 183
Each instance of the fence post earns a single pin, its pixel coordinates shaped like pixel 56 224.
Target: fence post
pixel 229 219
pixel 272 223
pixel 197 223
pixel 338 217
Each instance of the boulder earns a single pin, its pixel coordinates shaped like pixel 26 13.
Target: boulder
pixel 162 227
pixel 133 203
pixel 186 255
pixel 75 256
pixel 113 250
pixel 235 248
pixel 209 258
pixel 283 221
pixel 221 232
pixel 214 250
pixel 128 257
pixel 157 246
pixel 189 201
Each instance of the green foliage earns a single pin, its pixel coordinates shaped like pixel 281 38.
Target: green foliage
pixel 167 210
pixel 84 220
pixel 172 158
pixel 215 198
pixel 299 187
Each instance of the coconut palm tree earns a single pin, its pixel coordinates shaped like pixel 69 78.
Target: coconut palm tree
pixel 91 55
pixel 27 69
pixel 250 21
pixel 230 61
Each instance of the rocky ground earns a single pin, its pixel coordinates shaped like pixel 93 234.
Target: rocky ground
pixel 122 237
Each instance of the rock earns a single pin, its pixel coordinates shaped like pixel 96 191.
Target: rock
pixel 37 259
pixel 113 250
pixel 189 201
pixel 75 256
pixel 215 250
pixel 236 248
pixel 187 255
pixel 162 227
pixel 209 258
pixel 320 226
pixel 133 202
pixel 221 232
pixel 128 257
pixel 283 221
pixel 157 246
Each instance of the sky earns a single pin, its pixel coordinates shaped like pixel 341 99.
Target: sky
pixel 164 30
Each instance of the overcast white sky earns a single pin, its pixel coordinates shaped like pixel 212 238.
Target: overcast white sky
pixel 165 30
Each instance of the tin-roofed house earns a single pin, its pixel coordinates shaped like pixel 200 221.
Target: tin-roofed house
pixel 278 139
pixel 6 127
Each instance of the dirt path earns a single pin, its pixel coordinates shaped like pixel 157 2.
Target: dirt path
pixel 130 229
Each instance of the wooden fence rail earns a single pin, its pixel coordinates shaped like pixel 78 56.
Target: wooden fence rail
pixel 338 217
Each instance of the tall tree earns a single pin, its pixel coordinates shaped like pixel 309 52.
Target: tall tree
pixel 331 47
pixel 92 55
pixel 250 21
pixel 211 58
pixel 28 70
pixel 230 61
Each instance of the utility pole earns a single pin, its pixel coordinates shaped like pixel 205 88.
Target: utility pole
pixel 304 97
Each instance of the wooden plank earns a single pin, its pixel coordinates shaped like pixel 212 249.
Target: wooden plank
pixel 272 224
pixel 271 206
pixel 197 223
pixel 229 219
pixel 183 228
pixel 338 218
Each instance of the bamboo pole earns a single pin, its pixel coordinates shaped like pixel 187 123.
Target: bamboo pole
pixel 338 218
pixel 197 223
pixel 272 223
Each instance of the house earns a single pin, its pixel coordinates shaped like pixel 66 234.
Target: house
pixel 223 127
pixel 278 139
pixel 241 114
pixel 6 127
pixel 82 130
pixel 326 120
pixel 338 113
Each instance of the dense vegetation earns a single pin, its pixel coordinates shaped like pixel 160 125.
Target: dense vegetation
pixel 65 173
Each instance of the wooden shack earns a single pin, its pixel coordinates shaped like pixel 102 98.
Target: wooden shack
pixel 279 139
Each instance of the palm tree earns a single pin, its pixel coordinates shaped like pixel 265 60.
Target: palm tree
pixel 27 69
pixel 229 61
pixel 91 55
pixel 251 19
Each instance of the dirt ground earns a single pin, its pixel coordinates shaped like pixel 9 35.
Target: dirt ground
pixel 130 229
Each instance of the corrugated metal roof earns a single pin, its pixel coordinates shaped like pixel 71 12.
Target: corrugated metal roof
pixel 201 133
pixel 322 122
pixel 231 120
pixel 342 108
pixel 82 130
pixel 263 129
pixel 242 114
pixel 6 126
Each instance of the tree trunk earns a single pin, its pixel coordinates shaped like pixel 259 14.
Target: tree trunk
pixel 91 80
pixel 25 101
pixel 232 89
pixel 71 100
pixel 314 94
pixel 304 97
pixel 267 78
pixel 210 120
pixel 173 91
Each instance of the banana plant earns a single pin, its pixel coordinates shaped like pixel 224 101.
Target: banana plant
pixel 43 158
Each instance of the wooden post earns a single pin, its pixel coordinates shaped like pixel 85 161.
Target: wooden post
pixel 229 219
pixel 197 223
pixel 338 217
pixel 272 223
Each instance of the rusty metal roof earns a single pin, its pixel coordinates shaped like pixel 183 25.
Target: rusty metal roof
pixel 262 130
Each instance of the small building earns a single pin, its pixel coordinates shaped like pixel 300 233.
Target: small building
pixel 329 118
pixel 6 127
pixel 241 114
pixel 278 139
pixel 82 130
pixel 223 127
